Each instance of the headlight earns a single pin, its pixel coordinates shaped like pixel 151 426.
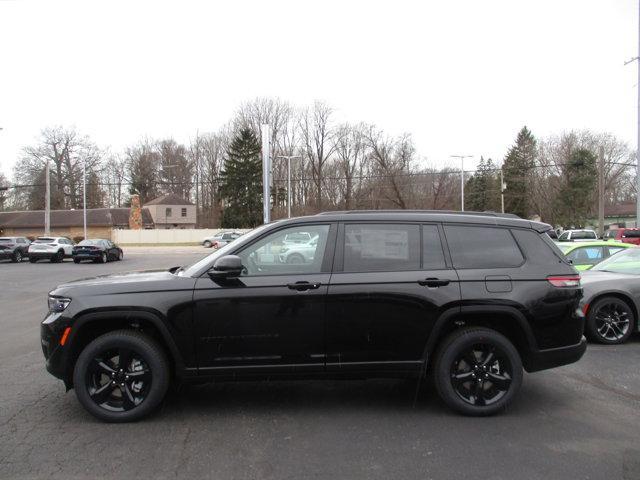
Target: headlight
pixel 58 304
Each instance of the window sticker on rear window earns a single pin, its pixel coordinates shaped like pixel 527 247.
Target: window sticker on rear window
pixel 388 244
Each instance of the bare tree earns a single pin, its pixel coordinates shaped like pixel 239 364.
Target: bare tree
pixel 317 136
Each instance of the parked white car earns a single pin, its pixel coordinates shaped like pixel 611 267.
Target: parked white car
pixel 220 239
pixel 578 236
pixel 54 249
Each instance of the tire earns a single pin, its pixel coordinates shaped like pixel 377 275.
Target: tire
pixel 491 356
pixel 103 258
pixel 296 259
pixel 33 259
pixel 57 257
pixel 610 321
pixel 95 365
pixel 207 244
pixel 17 257
pixel 76 260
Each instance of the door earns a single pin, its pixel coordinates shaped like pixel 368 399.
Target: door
pixel 391 283
pixel 271 318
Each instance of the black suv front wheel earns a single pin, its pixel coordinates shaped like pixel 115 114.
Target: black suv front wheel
pixel 478 371
pixel 121 376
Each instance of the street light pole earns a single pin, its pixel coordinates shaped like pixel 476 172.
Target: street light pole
pixel 289 158
pixel 47 200
pixel 461 157
pixel 84 198
pixel 637 59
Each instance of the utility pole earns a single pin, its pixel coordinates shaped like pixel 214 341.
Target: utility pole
pixel 84 197
pixel 197 178
pixel 47 201
pixel 637 59
pixel 502 188
pixel 601 192
pixel 461 157
pixel 266 170
pixel 289 158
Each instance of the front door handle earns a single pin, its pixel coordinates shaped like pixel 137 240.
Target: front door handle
pixel 433 282
pixel 301 286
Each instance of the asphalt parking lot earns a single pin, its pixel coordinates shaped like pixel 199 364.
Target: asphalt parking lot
pixel 576 422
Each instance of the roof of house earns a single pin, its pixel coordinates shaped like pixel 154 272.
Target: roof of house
pixel 627 209
pixel 96 217
pixel 169 199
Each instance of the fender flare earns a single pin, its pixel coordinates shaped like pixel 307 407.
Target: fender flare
pixel 446 318
pixel 151 317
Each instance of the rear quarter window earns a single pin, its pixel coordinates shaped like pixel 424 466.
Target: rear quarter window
pixel 537 249
pixel 482 247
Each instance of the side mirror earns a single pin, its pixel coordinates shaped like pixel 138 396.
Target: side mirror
pixel 229 266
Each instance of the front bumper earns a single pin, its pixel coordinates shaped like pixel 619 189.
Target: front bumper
pixel 554 357
pixel 51 331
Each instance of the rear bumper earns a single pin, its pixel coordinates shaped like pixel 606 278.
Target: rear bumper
pixel 42 254
pixel 554 357
pixel 87 256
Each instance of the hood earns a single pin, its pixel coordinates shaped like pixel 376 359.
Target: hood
pixel 121 278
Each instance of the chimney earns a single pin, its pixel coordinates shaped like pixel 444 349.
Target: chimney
pixel 135 214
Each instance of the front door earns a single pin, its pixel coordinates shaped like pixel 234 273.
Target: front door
pixel 271 318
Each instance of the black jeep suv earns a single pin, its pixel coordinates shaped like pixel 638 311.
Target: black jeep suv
pixel 470 299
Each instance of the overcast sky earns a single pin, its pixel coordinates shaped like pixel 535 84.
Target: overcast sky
pixel 461 76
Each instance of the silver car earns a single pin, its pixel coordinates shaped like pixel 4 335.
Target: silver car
pixel 611 298
pixel 299 252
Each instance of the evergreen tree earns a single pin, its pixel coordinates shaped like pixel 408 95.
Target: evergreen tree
pixel 241 186
pixel 516 169
pixel 483 188
pixel 580 175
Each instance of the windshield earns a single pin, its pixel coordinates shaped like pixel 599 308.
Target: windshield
pixel 5 240
pixel 194 268
pixel 627 261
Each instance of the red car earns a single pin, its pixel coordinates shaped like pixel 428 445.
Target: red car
pixel 626 235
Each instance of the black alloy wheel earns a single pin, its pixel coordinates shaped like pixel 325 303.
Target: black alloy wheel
pixel 103 257
pixel 121 376
pixel 17 256
pixel 33 259
pixel 478 371
pixel 610 320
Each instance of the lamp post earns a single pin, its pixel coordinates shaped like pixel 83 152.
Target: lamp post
pixel 84 198
pixel 461 157
pixel 289 158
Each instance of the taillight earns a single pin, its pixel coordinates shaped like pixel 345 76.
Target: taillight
pixel 564 280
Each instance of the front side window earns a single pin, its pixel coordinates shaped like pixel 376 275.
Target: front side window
pixel 564 236
pixel 273 255
pixel 482 247
pixel 381 248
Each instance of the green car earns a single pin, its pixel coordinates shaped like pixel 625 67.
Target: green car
pixel 585 255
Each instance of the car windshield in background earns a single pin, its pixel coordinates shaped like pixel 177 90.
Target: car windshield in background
pixel 6 240
pixel 623 262
pixel 44 240
pixel 85 243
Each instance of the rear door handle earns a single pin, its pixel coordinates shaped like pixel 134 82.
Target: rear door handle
pixel 433 282
pixel 301 286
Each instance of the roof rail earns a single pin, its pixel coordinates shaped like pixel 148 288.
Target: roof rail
pixel 441 212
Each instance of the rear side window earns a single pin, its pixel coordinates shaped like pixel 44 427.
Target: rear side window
pixel 432 254
pixel 381 248
pixel 632 233
pixel 482 247
pixel 538 248
pixel 586 255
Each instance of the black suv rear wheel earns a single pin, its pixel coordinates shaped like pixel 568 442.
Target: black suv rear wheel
pixel 478 371
pixel 121 376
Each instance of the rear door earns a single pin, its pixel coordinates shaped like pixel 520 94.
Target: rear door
pixel 390 283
